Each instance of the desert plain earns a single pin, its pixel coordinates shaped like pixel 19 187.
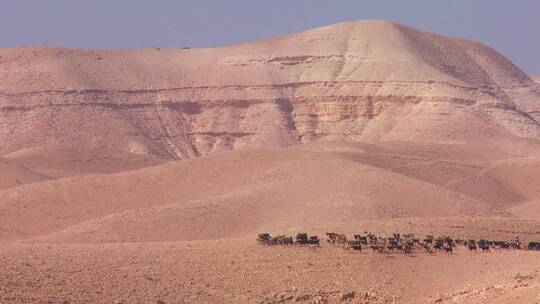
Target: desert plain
pixel 145 175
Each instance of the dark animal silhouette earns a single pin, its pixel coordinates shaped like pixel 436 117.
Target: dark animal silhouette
pixel 471 245
pixel 534 246
pixel 484 245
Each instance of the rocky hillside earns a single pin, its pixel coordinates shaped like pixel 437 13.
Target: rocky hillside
pixel 357 81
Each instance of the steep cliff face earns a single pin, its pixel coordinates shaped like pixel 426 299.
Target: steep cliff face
pixel 368 80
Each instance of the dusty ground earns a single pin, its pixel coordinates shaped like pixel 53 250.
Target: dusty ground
pixel 240 271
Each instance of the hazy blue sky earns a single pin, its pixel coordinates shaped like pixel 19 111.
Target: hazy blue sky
pixel 512 27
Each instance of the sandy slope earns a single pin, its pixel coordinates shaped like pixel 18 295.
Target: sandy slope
pixel 51 162
pixel 65 160
pixel 13 175
pixel 321 186
pixel 279 188
pixel 516 174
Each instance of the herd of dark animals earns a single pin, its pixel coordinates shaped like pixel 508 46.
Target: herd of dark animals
pixel 301 239
pixel 397 243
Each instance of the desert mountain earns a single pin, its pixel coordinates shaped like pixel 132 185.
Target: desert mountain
pixel 356 81
pixel 537 79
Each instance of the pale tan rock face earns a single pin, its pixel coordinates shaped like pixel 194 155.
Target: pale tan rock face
pixel 366 80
